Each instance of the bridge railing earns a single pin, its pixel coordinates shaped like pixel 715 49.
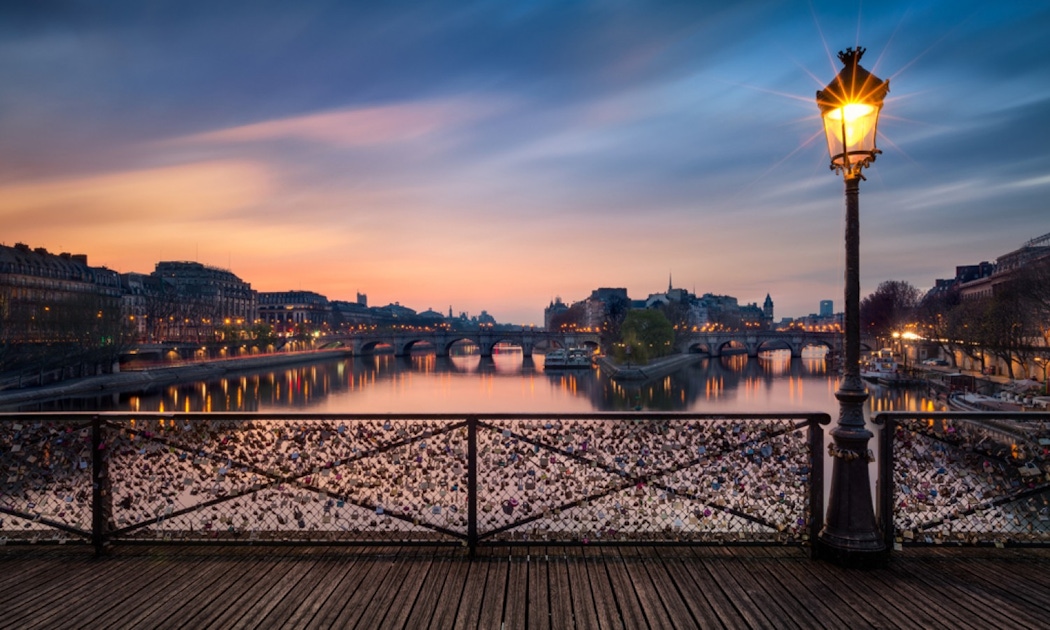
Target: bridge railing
pixel 964 478
pixel 469 480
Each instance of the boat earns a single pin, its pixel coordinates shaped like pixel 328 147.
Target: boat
pixel 571 359
pixel 968 401
pixel 881 368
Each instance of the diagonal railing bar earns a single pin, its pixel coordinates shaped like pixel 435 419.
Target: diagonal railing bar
pixel 196 478
pixel 965 477
pixel 37 518
pixel 997 502
pixel 278 480
pixel 633 479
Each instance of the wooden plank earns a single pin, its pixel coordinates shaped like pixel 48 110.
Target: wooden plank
pixel 645 589
pixel 150 590
pixel 492 603
pixel 708 607
pixel 602 589
pixel 971 598
pixel 788 570
pixel 538 613
pixel 402 599
pixel 248 590
pixel 721 569
pixel 763 569
pixel 334 574
pixel 668 591
pixel 199 594
pixel 81 596
pixel 289 574
pixel 367 567
pixel 451 594
pixel 623 593
pixel 585 615
pixel 517 593
pixel 383 574
pixel 1002 581
pixel 433 582
pixel 559 589
pixel 307 583
pixel 854 590
pixel 473 593
pixel 58 580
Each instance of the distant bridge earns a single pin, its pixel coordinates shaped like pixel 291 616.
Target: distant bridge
pixel 486 340
pixel 715 343
pixel 710 343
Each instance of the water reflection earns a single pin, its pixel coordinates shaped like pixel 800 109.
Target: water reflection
pixel 507 382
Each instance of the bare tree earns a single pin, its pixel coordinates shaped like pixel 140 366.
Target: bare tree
pixel 889 308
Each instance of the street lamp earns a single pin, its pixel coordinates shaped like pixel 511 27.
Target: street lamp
pixel 850 107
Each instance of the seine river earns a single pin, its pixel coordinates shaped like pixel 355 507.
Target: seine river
pixel 509 383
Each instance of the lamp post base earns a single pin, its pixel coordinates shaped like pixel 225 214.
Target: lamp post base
pixel 852 558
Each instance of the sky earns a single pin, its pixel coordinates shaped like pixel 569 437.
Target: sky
pixel 498 154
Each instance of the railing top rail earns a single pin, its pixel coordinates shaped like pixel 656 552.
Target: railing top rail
pixel 822 418
pixel 1029 416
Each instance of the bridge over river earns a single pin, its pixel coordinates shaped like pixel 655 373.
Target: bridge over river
pixel 713 344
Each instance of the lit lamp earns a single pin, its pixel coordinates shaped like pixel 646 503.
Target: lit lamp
pixel 850 107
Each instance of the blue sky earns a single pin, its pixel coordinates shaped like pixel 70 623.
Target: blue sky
pixel 494 155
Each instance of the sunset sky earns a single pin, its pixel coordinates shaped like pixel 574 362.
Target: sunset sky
pixel 493 155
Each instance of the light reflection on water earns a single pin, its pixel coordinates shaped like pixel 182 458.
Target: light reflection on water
pixel 507 383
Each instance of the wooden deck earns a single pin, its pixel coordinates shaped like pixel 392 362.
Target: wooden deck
pixel 667 587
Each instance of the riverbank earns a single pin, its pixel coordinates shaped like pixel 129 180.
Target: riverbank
pixel 650 371
pixel 151 378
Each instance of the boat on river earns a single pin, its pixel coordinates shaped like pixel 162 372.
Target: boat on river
pixel 882 368
pixel 570 359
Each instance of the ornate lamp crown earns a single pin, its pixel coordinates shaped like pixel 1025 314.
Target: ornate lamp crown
pixel 850 107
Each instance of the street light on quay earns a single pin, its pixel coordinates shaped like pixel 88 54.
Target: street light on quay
pixel 850 107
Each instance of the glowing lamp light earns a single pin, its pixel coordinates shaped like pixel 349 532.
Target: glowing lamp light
pixel 850 107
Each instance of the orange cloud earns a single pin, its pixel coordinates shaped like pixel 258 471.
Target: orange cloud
pixel 353 127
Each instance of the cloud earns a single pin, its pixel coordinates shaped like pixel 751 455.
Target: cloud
pixel 163 195
pixel 354 126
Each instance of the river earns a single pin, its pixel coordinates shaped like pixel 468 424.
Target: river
pixel 508 383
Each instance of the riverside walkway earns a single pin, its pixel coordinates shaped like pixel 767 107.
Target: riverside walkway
pixel 518 587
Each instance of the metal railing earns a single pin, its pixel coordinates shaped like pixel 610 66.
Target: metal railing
pixel 254 478
pixel 967 478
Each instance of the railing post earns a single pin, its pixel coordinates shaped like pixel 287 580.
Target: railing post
pixel 884 485
pixel 472 485
pixel 99 486
pixel 816 480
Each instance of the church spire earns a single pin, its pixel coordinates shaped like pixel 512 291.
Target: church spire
pixel 669 284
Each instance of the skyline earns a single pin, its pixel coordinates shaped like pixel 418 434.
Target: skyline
pixel 493 157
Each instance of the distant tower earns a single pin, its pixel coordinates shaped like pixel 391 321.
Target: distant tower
pixel 827 308
pixel 670 285
pixel 362 299
pixel 767 308
pixel 450 311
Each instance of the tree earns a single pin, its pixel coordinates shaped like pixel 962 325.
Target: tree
pixel 889 308
pixel 934 313
pixel 648 333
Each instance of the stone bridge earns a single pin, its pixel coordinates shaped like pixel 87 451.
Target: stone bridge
pixel 485 339
pixel 714 343
pixel 710 343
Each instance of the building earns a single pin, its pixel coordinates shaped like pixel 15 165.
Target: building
pixel 193 301
pixel 555 308
pixel 980 281
pixel 827 308
pixel 287 310
pixel 59 317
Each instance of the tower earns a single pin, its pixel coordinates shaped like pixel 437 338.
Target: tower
pixel 767 308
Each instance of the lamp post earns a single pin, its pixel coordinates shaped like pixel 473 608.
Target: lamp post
pixel 850 107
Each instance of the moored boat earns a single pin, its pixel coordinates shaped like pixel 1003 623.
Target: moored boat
pixel 573 358
pixel 882 368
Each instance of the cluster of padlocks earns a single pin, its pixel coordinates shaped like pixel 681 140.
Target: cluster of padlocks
pixel 959 480
pixel 214 477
